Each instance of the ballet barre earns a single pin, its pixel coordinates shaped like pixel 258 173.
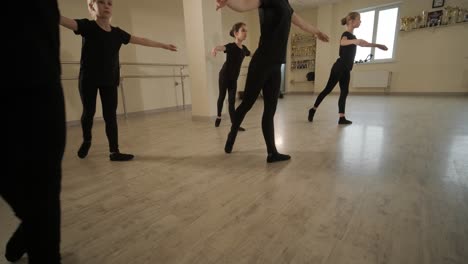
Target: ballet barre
pixel 123 77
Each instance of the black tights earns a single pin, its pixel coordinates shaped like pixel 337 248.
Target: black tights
pixel 340 74
pixel 266 78
pixel 109 100
pixel 229 86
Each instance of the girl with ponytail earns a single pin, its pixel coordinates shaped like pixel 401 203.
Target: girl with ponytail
pixel 229 73
pixel 341 70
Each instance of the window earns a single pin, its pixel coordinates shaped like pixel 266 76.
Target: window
pixel 378 25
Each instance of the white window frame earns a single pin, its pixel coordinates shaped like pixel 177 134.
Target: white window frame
pixel 377 10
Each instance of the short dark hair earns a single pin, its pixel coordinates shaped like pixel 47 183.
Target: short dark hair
pixel 236 28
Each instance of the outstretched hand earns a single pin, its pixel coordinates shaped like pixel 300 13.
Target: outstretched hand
pixel 322 36
pixel 170 47
pixel 220 4
pixel 214 52
pixel 382 47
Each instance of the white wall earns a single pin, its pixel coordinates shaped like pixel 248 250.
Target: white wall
pixel 428 60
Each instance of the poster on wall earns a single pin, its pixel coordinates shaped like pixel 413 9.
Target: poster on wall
pixel 438 3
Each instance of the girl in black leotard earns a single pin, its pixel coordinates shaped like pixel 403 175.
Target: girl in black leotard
pixel 99 71
pixel 341 70
pixel 229 73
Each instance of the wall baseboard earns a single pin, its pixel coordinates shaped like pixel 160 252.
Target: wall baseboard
pixel 138 113
pixel 203 118
pixel 430 93
pixel 406 93
pixel 299 92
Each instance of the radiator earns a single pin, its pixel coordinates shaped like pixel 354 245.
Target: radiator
pixel 372 79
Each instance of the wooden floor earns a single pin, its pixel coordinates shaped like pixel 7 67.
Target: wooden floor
pixel 390 189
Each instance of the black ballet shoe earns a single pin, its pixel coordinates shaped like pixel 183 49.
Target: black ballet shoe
pixel 217 122
pixel 230 142
pixel 16 246
pixel 344 121
pixel 83 151
pixel 117 156
pixel 311 114
pixel 275 157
